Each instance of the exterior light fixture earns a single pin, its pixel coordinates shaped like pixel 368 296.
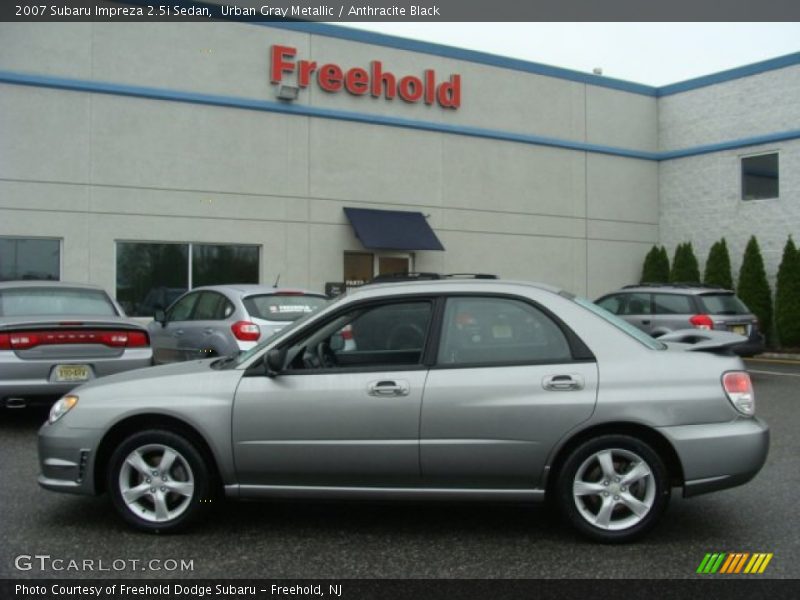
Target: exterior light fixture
pixel 288 92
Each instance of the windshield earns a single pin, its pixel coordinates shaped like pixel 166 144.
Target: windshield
pixel 245 356
pixel 621 324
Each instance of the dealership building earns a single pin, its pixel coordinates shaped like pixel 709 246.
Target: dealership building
pixel 151 158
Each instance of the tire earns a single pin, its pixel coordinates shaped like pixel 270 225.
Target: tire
pixel 151 499
pixel 613 488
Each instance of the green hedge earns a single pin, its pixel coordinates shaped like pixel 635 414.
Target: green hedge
pixel 787 297
pixel 753 286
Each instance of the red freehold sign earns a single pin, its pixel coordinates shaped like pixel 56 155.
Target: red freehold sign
pixel 374 81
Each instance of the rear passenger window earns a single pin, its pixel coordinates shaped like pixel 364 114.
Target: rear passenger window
pixel 636 304
pixel 210 307
pixel 672 304
pixel 487 331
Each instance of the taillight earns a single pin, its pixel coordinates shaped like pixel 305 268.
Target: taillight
pixel 25 340
pixel 739 389
pixel 246 331
pixel 702 322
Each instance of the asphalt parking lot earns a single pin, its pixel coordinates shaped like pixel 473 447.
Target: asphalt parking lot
pixel 392 540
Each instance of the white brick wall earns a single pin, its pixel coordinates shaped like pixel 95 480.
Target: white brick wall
pixel 756 105
pixel 700 201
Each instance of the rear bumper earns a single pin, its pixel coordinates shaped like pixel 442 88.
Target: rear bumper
pixel 717 456
pixel 33 380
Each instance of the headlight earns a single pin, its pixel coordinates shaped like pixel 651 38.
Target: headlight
pixel 62 407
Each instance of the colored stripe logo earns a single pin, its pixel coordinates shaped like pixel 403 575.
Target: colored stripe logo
pixel 734 563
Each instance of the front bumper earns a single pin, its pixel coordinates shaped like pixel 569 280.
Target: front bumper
pixel 67 458
pixel 717 456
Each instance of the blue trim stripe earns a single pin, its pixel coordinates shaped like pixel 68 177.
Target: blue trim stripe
pixel 82 85
pixel 772 64
pixel 97 87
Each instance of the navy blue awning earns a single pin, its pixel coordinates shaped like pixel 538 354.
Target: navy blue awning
pixel 392 229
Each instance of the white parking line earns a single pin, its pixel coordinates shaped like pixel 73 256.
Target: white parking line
pixel 773 373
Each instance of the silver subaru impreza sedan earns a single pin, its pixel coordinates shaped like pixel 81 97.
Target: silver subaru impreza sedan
pixel 448 390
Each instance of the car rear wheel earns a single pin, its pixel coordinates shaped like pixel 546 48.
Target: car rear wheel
pixel 158 481
pixel 613 488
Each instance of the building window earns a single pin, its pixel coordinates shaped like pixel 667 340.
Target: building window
pixel 30 258
pixel 153 275
pixel 760 176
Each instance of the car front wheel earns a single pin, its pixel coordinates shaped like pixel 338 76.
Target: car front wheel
pixel 613 488
pixel 158 481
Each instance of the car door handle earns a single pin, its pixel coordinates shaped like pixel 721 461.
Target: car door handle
pixel 645 321
pixel 562 383
pixel 208 331
pixel 387 388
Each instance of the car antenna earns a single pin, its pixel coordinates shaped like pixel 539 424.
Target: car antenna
pixel 277 279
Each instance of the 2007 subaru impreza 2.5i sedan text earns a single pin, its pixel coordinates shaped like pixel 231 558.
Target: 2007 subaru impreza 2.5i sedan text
pixel 448 389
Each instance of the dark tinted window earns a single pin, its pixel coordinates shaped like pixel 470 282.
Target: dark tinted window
pixel 210 307
pixel 282 307
pixel 29 259
pixel 182 309
pixel 760 176
pixel 636 304
pixel 54 301
pixel 722 304
pixel 672 304
pixel 150 276
pixel 221 264
pixel 499 331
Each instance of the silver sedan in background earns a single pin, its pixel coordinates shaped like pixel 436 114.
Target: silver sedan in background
pixel 452 389
pixel 54 336
pixel 223 320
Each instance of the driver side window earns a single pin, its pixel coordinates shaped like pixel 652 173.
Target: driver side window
pixel 385 335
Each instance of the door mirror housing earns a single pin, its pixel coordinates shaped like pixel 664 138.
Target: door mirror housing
pixel 160 316
pixel 274 361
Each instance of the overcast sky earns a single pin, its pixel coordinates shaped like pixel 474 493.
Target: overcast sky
pixel 650 53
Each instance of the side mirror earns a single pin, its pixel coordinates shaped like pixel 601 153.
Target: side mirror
pixel 160 316
pixel 337 342
pixel 274 361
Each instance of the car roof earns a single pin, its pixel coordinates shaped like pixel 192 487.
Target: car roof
pixel 24 283
pixel 249 289
pixel 449 285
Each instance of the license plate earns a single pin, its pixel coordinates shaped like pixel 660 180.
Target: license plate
pixel 740 329
pixel 72 373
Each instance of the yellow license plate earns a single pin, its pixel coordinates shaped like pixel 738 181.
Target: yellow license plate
pixel 740 329
pixel 72 373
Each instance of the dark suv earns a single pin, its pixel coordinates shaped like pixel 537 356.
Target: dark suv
pixel 660 308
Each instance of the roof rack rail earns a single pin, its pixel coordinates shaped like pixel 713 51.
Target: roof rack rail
pixel 420 276
pixel 682 284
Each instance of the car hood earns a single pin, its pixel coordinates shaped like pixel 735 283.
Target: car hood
pixel 155 375
pixel 191 391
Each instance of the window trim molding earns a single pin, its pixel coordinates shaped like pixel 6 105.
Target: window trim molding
pixel 742 158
